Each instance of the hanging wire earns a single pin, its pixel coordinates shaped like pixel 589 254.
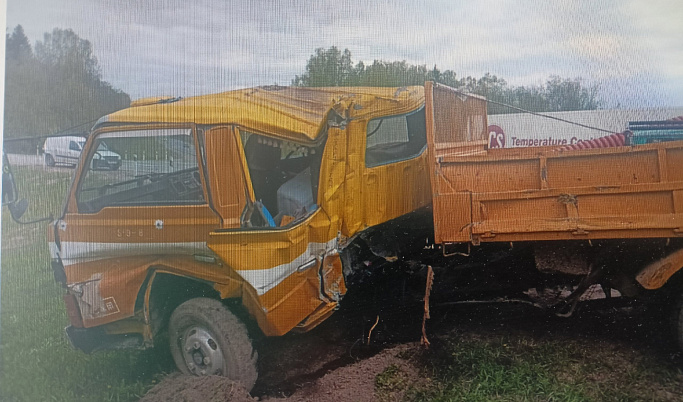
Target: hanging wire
pixel 539 114
pixel 57 134
pixel 549 117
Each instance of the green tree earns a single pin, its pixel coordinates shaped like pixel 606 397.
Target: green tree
pixel 332 67
pixel 492 88
pixel 20 69
pixel 18 48
pixel 532 98
pixel 566 94
pixel 67 53
pixel 53 88
pixel 328 68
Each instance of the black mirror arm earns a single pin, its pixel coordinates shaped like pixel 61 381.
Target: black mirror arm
pixel 45 219
pixel 17 210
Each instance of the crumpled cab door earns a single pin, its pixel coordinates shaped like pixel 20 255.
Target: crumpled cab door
pixel 285 269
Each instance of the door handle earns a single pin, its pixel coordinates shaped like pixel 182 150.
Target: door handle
pixel 309 264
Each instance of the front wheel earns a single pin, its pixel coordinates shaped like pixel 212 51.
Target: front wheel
pixel 49 160
pixel 207 339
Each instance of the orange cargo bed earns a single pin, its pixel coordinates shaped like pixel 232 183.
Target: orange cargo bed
pixel 527 194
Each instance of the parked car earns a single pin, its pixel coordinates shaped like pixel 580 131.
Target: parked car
pixel 67 150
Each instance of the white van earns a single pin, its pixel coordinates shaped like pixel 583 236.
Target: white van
pixel 68 149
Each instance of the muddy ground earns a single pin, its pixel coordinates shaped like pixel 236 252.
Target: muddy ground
pixel 353 382
pixel 335 362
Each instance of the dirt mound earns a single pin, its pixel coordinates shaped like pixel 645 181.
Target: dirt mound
pixel 370 379
pixel 187 388
pixel 367 380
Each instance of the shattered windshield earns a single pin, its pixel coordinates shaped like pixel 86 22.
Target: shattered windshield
pixel 141 167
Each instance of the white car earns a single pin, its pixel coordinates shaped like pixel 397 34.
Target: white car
pixel 68 149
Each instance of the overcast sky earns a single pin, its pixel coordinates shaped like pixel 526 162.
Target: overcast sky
pixel 633 49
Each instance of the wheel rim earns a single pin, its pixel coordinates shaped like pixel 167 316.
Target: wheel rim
pixel 201 352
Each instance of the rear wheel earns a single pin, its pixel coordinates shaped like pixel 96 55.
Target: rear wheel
pixel 49 160
pixel 207 339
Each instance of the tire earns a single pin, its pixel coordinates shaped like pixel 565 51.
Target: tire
pixel 49 160
pixel 202 329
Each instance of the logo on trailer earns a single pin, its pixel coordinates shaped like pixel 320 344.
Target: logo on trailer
pixel 496 137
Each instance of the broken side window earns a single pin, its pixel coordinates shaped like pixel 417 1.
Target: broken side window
pixel 395 138
pixel 284 177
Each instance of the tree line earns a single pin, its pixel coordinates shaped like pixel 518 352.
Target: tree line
pixel 332 67
pixel 54 87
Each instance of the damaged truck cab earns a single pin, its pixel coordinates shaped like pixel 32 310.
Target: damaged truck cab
pixel 229 208
pixel 259 206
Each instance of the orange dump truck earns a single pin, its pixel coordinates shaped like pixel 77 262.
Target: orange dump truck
pixel 610 217
pixel 262 205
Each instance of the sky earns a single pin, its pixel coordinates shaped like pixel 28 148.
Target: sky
pixel 632 49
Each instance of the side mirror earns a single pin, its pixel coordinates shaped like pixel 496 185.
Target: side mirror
pixel 9 187
pixel 10 197
pixel 18 208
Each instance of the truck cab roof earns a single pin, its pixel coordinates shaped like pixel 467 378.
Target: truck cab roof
pixel 292 113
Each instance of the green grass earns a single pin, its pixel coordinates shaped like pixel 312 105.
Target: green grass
pixel 483 371
pixel 467 367
pixel 391 383
pixel 38 364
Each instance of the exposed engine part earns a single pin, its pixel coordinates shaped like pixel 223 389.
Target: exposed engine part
pixel 377 248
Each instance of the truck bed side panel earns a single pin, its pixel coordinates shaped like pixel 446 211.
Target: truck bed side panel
pixel 545 193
